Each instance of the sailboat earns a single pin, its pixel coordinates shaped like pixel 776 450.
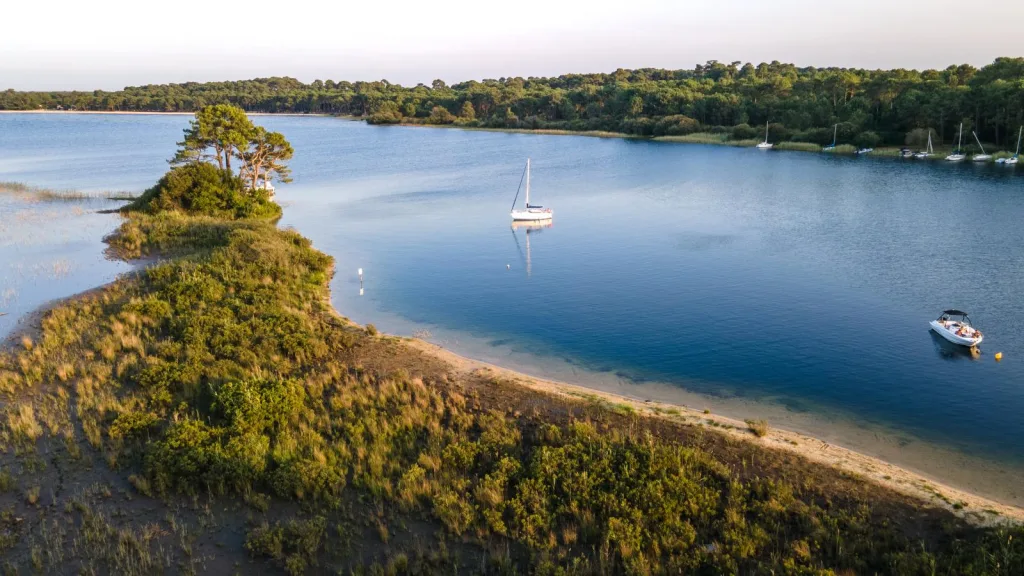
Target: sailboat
pixel 983 157
pixel 531 212
pixel 958 155
pixel 1012 160
pixel 765 145
pixel 835 132
pixel 928 151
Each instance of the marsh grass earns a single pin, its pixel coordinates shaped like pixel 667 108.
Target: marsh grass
pixel 799 146
pixel 36 194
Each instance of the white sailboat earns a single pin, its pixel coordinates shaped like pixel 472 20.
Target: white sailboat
pixel 958 155
pixel 835 132
pixel 531 212
pixel 928 151
pixel 983 157
pixel 1012 160
pixel 765 145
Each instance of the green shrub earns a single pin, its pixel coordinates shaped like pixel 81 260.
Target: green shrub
pixel 202 188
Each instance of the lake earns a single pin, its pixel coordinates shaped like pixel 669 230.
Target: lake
pixel 793 284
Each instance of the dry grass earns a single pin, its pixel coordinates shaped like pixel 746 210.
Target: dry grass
pixel 758 428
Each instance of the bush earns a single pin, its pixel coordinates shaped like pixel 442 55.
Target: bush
pixel 744 132
pixel 867 140
pixel 202 188
pixel 758 427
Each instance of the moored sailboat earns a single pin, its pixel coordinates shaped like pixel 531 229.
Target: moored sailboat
pixel 927 151
pixel 958 155
pixel 983 157
pixel 531 212
pixel 1012 160
pixel 765 145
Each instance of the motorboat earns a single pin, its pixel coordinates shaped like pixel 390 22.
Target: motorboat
pixel 906 153
pixel 955 326
pixel 864 151
pixel 927 151
pixel 765 145
pixel 958 155
pixel 983 157
pixel 531 212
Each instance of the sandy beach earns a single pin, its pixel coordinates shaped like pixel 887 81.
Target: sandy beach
pixel 969 505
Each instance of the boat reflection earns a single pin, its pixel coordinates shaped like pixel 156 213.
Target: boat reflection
pixel 949 351
pixel 529 227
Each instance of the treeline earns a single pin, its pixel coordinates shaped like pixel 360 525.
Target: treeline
pixel 803 104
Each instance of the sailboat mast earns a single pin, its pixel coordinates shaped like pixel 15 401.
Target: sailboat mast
pixel 765 131
pixel 1019 132
pixel 527 183
pixel 975 134
pixel 960 138
pixel 835 133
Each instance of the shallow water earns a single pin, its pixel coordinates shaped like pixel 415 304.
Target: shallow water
pixel 800 280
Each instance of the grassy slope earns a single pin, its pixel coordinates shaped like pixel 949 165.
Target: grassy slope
pixel 213 414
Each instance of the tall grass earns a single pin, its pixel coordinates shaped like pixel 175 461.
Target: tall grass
pixel 800 146
pixel 33 193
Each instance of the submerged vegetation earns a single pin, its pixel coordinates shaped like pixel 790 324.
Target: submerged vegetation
pixel 802 104
pixel 213 410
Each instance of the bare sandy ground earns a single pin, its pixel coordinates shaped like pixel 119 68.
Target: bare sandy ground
pixel 976 509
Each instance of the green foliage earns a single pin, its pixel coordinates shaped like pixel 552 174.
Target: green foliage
pixel 202 188
pixel 890 103
pixel 296 543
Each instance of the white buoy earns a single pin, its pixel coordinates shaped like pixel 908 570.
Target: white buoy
pixel 508 266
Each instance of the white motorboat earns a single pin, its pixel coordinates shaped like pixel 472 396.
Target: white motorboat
pixel 765 145
pixel 927 151
pixel 958 155
pixel 864 151
pixel 955 326
pixel 531 212
pixel 983 157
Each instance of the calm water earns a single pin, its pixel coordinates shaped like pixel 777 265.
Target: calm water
pixel 793 278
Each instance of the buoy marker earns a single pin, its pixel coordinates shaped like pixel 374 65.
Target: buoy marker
pixel 999 356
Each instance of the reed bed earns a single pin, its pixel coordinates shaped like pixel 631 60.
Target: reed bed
pixel 37 194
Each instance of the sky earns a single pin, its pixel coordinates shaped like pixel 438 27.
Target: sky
pixel 74 45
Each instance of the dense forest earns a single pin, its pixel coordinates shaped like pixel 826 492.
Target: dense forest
pixel 802 104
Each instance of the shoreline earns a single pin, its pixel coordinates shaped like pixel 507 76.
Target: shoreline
pixel 976 508
pixel 987 477
pixel 820 449
pixel 889 152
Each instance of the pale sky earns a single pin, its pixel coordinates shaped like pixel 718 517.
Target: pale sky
pixel 65 44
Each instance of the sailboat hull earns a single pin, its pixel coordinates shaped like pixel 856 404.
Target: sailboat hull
pixel 1011 161
pixel 532 215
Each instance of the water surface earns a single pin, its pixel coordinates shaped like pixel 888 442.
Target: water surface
pixel 791 279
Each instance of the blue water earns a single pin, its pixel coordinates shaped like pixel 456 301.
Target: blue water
pixel 803 279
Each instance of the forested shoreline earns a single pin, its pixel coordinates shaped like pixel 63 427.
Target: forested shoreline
pixel 871 107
